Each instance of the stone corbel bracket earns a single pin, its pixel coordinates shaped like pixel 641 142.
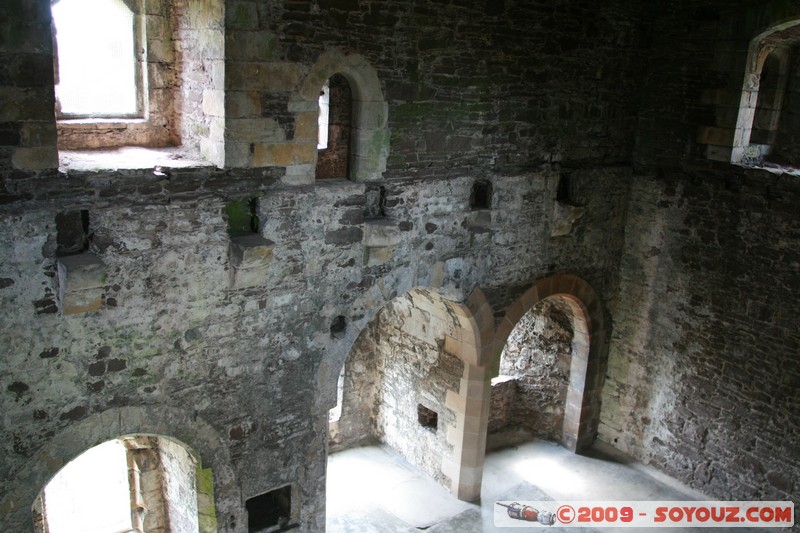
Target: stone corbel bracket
pixel 564 218
pixel 80 283
pixel 381 237
pixel 250 256
pixel 479 220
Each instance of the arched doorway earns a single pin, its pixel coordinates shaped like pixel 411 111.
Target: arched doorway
pixel 220 503
pixel 133 482
pixel 414 380
pixel 767 81
pixel 529 395
pixel 553 352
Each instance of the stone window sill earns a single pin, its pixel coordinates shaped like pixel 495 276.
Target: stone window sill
pixel 773 168
pixel 101 122
pixel 129 158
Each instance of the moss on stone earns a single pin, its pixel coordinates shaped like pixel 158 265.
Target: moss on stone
pixel 241 216
pixel 207 512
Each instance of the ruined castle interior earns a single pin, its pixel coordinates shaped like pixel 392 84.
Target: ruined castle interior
pixel 239 236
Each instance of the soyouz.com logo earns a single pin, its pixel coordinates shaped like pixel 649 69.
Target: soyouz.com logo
pixel 727 514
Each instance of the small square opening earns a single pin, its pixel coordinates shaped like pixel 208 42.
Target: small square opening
pixel 428 418
pixel 242 216
pixel 564 191
pixel 481 195
pixel 72 232
pixel 271 511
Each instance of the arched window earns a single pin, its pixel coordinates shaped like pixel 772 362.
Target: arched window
pixel 335 124
pixel 760 133
pixel 770 99
pixel 335 412
pixel 324 116
pixel 96 63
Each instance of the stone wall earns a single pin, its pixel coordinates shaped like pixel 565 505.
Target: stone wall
pixel 199 102
pixel 235 348
pixel 703 372
pixel 171 332
pixel 27 125
pixel 702 368
pixel 416 371
pixel 456 101
pixel 180 485
pixel 504 391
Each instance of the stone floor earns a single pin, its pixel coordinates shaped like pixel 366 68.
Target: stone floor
pixel 374 490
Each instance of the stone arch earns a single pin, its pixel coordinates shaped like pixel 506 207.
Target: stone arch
pixel 146 500
pixel 467 332
pixel 587 368
pixel 174 424
pixel 369 146
pixel 773 43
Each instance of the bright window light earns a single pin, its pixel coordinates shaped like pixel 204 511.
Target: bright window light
pixel 91 494
pixel 96 61
pixel 336 411
pixel 324 114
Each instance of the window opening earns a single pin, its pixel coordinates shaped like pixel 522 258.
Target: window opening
pixel 324 115
pixel 770 98
pixel 72 232
pixel 427 418
pixel 564 192
pixel 335 124
pixel 763 128
pixel 481 195
pixel 242 216
pixel 336 413
pixel 271 511
pixel 95 59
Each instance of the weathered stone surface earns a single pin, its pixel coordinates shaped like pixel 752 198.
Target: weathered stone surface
pixel 80 279
pixel 381 233
pixel 35 158
pixel 720 337
pixel 564 219
pixel 283 154
pixel 695 261
pixel 250 256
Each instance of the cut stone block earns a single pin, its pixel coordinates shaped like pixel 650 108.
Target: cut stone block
pixel 80 281
pixel 380 239
pixel 378 256
pixel 250 256
pixel 378 233
pixel 564 218
pixel 479 220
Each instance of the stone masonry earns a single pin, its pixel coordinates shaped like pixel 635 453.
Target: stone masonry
pixel 597 137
